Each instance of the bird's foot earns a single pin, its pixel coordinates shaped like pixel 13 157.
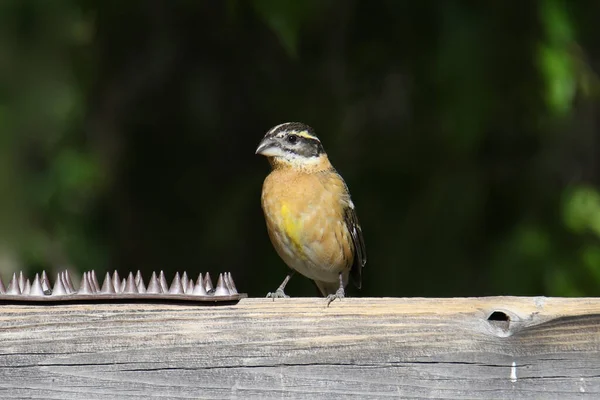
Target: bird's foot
pixel 339 294
pixel 278 294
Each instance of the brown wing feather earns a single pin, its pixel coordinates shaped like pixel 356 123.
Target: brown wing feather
pixel 360 254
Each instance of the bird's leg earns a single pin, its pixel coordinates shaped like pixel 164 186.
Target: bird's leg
pixel 279 293
pixel 339 294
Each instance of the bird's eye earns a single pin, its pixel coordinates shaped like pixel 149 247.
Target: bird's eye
pixel 292 139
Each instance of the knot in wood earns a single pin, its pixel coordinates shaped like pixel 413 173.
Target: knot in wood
pixel 503 323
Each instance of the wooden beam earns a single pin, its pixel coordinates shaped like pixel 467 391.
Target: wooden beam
pixel 358 348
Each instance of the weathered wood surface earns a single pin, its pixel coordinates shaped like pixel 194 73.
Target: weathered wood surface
pixel 297 348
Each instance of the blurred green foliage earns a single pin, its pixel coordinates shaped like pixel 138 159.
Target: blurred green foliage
pixel 467 132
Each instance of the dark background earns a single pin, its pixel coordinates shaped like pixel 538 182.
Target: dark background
pixel 467 132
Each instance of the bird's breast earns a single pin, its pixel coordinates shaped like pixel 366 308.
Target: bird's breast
pixel 304 217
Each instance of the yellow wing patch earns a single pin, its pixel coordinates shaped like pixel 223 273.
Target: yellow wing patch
pixel 292 228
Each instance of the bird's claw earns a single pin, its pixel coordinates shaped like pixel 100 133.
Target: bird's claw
pixel 339 294
pixel 278 294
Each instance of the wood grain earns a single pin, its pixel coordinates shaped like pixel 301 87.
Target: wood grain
pixel 297 348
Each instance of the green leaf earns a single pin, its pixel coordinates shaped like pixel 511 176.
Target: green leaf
pixel 581 210
pixel 559 73
pixel 555 60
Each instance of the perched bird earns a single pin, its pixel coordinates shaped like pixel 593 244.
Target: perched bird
pixel 310 217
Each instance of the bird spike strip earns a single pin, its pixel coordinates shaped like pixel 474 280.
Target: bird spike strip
pixel 113 288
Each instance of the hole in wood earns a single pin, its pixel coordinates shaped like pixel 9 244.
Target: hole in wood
pixel 499 319
pixel 498 316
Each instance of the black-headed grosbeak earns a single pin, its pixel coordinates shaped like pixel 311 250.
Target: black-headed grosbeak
pixel 310 217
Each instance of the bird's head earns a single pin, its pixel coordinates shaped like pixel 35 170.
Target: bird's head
pixel 293 144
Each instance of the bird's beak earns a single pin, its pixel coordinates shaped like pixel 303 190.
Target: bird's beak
pixel 267 147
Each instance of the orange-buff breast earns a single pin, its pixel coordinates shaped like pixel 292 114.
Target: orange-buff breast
pixel 304 214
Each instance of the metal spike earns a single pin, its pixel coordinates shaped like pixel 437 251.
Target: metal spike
pixel 153 284
pixel 68 282
pixel 116 281
pixel 176 287
pixel 59 287
pixel 190 287
pixel 107 286
pixel 94 281
pixel 233 287
pixel 221 289
pixel 139 282
pixel 63 280
pixel 140 286
pixel 138 277
pixel 84 286
pixel 90 285
pixel 226 281
pixel 13 285
pixel 130 285
pixel 91 282
pixel 184 280
pixel 36 287
pixel 21 281
pixel 208 285
pixel 199 289
pixel 230 284
pixel 2 287
pixel 164 286
pixel 123 284
pixel 45 283
pixel 27 288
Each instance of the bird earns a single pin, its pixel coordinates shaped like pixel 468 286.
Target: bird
pixel 310 217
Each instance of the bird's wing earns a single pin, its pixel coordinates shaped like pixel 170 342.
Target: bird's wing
pixel 360 254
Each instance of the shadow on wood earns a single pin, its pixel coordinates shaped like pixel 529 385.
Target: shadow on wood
pixel 483 348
